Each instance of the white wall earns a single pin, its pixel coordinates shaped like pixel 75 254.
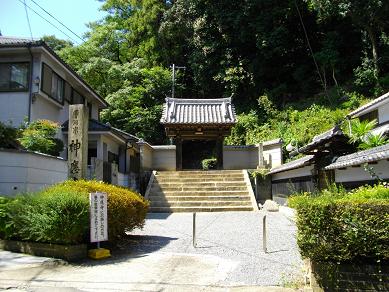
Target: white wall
pixel 383 113
pixel 351 174
pixel 240 157
pixel 29 171
pixel 272 155
pixel 164 157
pixel 146 156
pixel 297 172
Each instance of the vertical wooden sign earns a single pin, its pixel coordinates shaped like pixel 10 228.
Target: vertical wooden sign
pixel 78 141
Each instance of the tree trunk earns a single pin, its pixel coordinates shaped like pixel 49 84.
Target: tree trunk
pixel 374 47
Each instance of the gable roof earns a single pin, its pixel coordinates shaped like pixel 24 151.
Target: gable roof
pixel 320 139
pixel 14 42
pixel 198 111
pixel 303 161
pixel 369 106
pixel 370 155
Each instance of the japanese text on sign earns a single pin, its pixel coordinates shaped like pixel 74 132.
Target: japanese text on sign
pixel 98 217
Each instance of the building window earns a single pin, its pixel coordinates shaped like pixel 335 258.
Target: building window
pixel 52 84
pixel 14 76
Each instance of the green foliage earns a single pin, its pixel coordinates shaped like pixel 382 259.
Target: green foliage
pixel 40 136
pixel 56 44
pixel 3 216
pixel 260 173
pixel 373 140
pixel 210 163
pixel 8 136
pixel 126 209
pixel 60 218
pixel 360 129
pixel 342 226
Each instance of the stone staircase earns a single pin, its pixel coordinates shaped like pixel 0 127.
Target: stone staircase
pixel 200 191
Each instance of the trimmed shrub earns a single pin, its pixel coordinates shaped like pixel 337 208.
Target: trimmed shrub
pixel 62 218
pixel 208 164
pixel 126 209
pixel 340 226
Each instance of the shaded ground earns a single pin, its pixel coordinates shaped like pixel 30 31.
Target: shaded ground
pixel 161 258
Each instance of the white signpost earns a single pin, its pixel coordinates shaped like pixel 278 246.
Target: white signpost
pixel 98 217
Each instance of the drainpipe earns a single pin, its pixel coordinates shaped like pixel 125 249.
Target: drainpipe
pixel 30 82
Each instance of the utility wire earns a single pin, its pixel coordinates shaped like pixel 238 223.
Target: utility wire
pixel 48 21
pixel 58 20
pixel 28 19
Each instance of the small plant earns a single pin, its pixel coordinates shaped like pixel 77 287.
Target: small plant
pixel 208 164
pixel 373 140
pixel 359 130
pixel 260 173
pixel 40 136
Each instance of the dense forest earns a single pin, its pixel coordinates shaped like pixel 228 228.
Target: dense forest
pixel 293 68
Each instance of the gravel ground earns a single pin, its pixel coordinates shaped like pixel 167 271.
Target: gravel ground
pixel 235 236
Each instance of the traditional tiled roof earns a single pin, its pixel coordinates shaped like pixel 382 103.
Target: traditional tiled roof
pixel 198 111
pixel 14 42
pixel 370 155
pixel 370 105
pixel 319 139
pixel 303 161
pixel 7 40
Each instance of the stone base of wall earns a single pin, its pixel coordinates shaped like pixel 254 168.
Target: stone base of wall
pixel 330 276
pixel 65 252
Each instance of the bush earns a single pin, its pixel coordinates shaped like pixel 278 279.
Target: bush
pixel 340 226
pixel 40 136
pixel 208 164
pixel 62 218
pixel 8 136
pixel 126 209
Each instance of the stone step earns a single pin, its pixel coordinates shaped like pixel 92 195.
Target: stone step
pixel 196 179
pixel 198 188
pixel 201 184
pixel 200 209
pixel 198 204
pixel 204 172
pixel 201 177
pixel 199 193
pixel 199 198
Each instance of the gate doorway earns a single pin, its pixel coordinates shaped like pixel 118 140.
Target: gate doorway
pixel 194 151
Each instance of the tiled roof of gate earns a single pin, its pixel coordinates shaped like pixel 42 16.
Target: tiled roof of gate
pixel 370 155
pixel 7 40
pixel 303 161
pixel 198 111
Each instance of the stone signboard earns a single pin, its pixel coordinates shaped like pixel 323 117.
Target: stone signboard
pixel 78 141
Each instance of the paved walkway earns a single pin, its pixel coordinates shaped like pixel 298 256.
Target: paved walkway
pixel 161 258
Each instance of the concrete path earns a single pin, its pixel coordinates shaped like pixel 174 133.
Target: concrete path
pixel 228 257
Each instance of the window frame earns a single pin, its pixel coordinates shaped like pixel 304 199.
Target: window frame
pixel 61 102
pixel 10 72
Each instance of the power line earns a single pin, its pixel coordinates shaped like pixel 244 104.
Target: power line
pixel 48 21
pixel 28 19
pixel 58 20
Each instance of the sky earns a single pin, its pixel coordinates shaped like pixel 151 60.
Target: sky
pixel 75 14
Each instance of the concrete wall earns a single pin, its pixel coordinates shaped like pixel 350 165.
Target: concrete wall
pixel 272 155
pixel 352 174
pixel 164 157
pixel 240 157
pixel 146 156
pixel 246 157
pixel 22 171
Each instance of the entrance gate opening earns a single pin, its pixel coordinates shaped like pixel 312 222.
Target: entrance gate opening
pixel 194 151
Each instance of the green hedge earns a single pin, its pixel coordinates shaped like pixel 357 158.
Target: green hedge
pixel 342 226
pixel 60 213
pixel 209 163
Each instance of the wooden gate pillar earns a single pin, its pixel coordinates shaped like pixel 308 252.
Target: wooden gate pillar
pixel 219 152
pixel 178 142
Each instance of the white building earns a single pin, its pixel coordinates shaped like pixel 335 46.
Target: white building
pixel 35 83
